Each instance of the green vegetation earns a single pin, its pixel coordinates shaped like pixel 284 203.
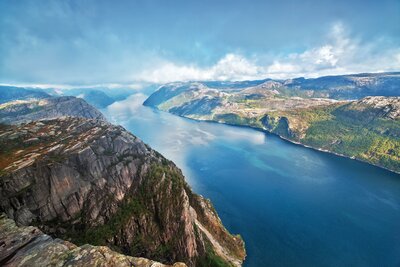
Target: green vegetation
pixel 162 185
pixel 371 142
pixel 234 246
pixel 360 134
pixel 210 258
pixel 57 158
pixel 234 119
pixel 100 234
pixel 353 133
pixel 175 101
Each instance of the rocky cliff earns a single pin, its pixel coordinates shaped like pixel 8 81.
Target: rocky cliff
pixel 20 111
pixel 88 181
pixel 28 246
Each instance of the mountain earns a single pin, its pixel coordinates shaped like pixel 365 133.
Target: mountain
pixel 20 111
pixel 97 98
pixel 115 94
pixel 100 97
pixel 351 86
pixel 11 93
pixel 341 87
pixel 28 246
pixel 366 129
pixel 90 182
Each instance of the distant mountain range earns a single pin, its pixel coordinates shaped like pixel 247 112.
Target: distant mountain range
pixel 356 115
pixel 98 97
pixel 352 86
pixel 10 93
pixel 20 111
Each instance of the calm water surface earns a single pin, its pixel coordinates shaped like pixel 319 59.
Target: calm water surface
pixel 293 206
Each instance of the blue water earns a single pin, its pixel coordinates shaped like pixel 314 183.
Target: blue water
pixel 292 205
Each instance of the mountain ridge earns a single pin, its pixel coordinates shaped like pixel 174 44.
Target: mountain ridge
pixel 20 111
pixel 318 119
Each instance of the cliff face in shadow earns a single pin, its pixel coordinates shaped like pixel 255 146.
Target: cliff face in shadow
pixel 28 246
pixel 89 181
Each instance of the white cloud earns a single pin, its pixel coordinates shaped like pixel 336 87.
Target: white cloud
pixel 338 54
pixel 230 67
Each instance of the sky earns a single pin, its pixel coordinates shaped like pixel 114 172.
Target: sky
pixel 86 42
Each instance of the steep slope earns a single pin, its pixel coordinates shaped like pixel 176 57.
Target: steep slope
pixel 20 111
pixel 91 182
pixel 28 246
pixel 367 129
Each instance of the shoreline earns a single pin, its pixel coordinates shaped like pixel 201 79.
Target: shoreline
pixel 284 139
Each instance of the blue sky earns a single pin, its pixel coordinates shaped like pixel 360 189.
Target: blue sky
pixel 97 42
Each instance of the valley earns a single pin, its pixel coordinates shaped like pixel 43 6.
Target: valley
pixel 92 188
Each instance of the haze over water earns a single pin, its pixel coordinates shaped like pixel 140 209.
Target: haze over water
pixel 292 205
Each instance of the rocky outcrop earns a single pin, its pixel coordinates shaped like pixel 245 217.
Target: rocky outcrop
pixel 28 246
pixel 21 111
pixel 374 107
pixel 277 125
pixel 92 182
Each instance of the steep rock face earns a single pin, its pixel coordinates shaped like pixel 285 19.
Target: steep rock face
pixel 21 111
pixel 92 182
pixel 278 125
pixel 28 246
pixel 374 107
